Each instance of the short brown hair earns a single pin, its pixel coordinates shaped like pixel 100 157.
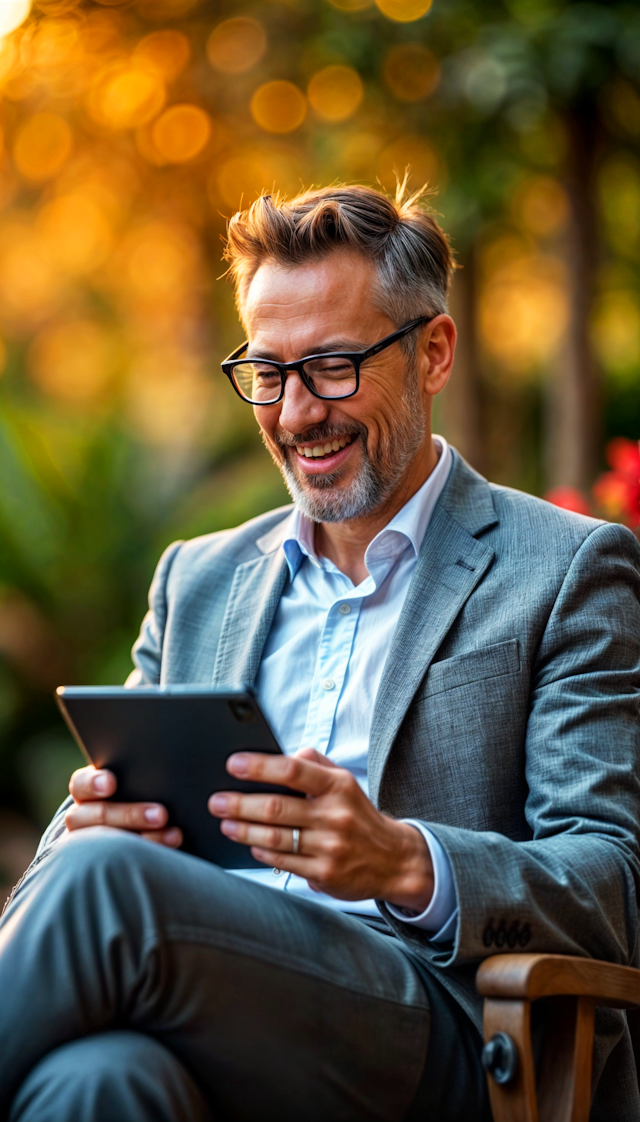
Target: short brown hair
pixel 410 250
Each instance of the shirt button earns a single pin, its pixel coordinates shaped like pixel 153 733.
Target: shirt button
pixel 328 684
pixel 277 872
pixel 344 609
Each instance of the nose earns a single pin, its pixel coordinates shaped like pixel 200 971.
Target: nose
pixel 300 409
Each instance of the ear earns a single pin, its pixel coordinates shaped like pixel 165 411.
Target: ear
pixel 435 353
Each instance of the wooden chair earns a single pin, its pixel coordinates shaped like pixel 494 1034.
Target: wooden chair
pixel 574 987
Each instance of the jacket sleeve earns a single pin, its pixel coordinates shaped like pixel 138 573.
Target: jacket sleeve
pixel 147 649
pixel 571 889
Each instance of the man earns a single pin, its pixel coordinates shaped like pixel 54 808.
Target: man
pixel 452 669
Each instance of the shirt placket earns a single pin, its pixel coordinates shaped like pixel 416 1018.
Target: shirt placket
pixel 334 651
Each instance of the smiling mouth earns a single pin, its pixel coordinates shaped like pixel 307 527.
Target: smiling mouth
pixel 320 450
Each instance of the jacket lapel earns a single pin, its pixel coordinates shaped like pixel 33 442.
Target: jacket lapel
pixel 253 598
pixel 451 564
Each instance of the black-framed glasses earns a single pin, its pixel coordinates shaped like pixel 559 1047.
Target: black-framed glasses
pixel 336 375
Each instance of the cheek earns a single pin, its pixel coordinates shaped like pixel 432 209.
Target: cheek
pixel 268 426
pixel 383 404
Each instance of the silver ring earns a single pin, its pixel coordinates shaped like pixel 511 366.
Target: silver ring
pixel 296 840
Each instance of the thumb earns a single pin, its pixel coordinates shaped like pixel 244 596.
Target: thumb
pixel 314 756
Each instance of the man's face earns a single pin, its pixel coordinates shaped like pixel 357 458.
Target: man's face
pixel 368 441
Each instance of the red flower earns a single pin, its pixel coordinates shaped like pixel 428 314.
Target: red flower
pixel 569 498
pixel 617 492
pixel 624 455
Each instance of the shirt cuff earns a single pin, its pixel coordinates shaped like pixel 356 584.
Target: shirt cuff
pixel 441 916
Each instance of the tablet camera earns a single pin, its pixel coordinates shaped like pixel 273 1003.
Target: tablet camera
pixel 243 712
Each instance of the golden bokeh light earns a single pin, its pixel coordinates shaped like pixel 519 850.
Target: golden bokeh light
pixel 181 133
pixel 126 95
pixel 160 11
pixel 335 93
pixel 8 58
pixel 351 5
pixel 75 233
pixel 42 146
pixel 404 11
pixel 414 153
pixel 158 265
pixel 244 176
pixel 619 190
pixel 168 397
pixel 541 205
pixel 12 14
pixel 411 71
pixel 52 44
pixel 167 52
pixel 278 106
pixel 616 334
pixel 359 153
pixel 30 286
pixel 57 7
pixel 72 361
pixel 236 45
pixel 523 308
pixel 3 357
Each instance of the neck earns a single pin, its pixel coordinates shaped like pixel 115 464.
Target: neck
pixel 345 543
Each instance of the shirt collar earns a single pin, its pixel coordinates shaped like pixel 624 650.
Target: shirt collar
pixel 407 528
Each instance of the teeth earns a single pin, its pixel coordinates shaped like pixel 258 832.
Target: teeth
pixel 316 450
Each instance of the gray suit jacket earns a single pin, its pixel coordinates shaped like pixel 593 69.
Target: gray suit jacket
pixel 507 720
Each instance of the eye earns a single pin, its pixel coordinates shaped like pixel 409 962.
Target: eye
pixel 330 367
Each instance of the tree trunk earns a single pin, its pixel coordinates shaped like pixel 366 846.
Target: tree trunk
pixel 573 420
pixel 460 410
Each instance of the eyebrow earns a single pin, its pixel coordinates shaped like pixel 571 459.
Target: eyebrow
pixel 347 346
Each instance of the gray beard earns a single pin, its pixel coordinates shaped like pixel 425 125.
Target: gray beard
pixel 322 501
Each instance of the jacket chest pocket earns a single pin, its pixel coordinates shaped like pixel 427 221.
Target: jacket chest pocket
pixel 493 661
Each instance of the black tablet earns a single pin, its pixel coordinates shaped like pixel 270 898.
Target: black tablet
pixel 169 744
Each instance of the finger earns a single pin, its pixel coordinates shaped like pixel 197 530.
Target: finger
pixel 289 771
pixel 172 837
pixel 307 867
pixel 273 838
pixel 281 810
pixel 92 783
pixel 317 757
pixel 125 816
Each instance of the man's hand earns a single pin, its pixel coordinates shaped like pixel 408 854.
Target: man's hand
pixel 347 848
pixel 90 787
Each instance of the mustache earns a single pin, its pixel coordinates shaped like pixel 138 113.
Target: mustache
pixel 321 434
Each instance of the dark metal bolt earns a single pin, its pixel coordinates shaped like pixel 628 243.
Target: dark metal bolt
pixel 500 1057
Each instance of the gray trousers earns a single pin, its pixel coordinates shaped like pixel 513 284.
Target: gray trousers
pixel 137 983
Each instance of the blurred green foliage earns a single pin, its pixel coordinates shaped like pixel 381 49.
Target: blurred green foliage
pixel 131 129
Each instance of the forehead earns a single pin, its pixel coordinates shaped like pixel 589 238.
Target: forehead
pixel 299 305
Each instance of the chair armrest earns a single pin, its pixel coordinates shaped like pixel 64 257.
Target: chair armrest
pixel 530 976
pixel 509 984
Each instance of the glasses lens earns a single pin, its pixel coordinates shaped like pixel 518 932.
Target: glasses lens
pixel 331 376
pixel 258 382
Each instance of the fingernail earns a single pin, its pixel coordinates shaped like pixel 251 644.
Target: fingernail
pixel 153 814
pixel 101 784
pixel 173 837
pixel 238 764
pixel 229 828
pixel 219 803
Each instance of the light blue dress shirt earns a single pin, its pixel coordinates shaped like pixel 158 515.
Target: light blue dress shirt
pixel 323 661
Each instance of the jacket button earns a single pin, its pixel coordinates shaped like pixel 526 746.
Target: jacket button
pixel 488 934
pixel 513 934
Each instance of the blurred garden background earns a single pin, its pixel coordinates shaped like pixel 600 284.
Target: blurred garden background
pixel 130 131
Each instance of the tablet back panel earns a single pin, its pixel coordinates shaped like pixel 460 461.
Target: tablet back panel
pixel 170 745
